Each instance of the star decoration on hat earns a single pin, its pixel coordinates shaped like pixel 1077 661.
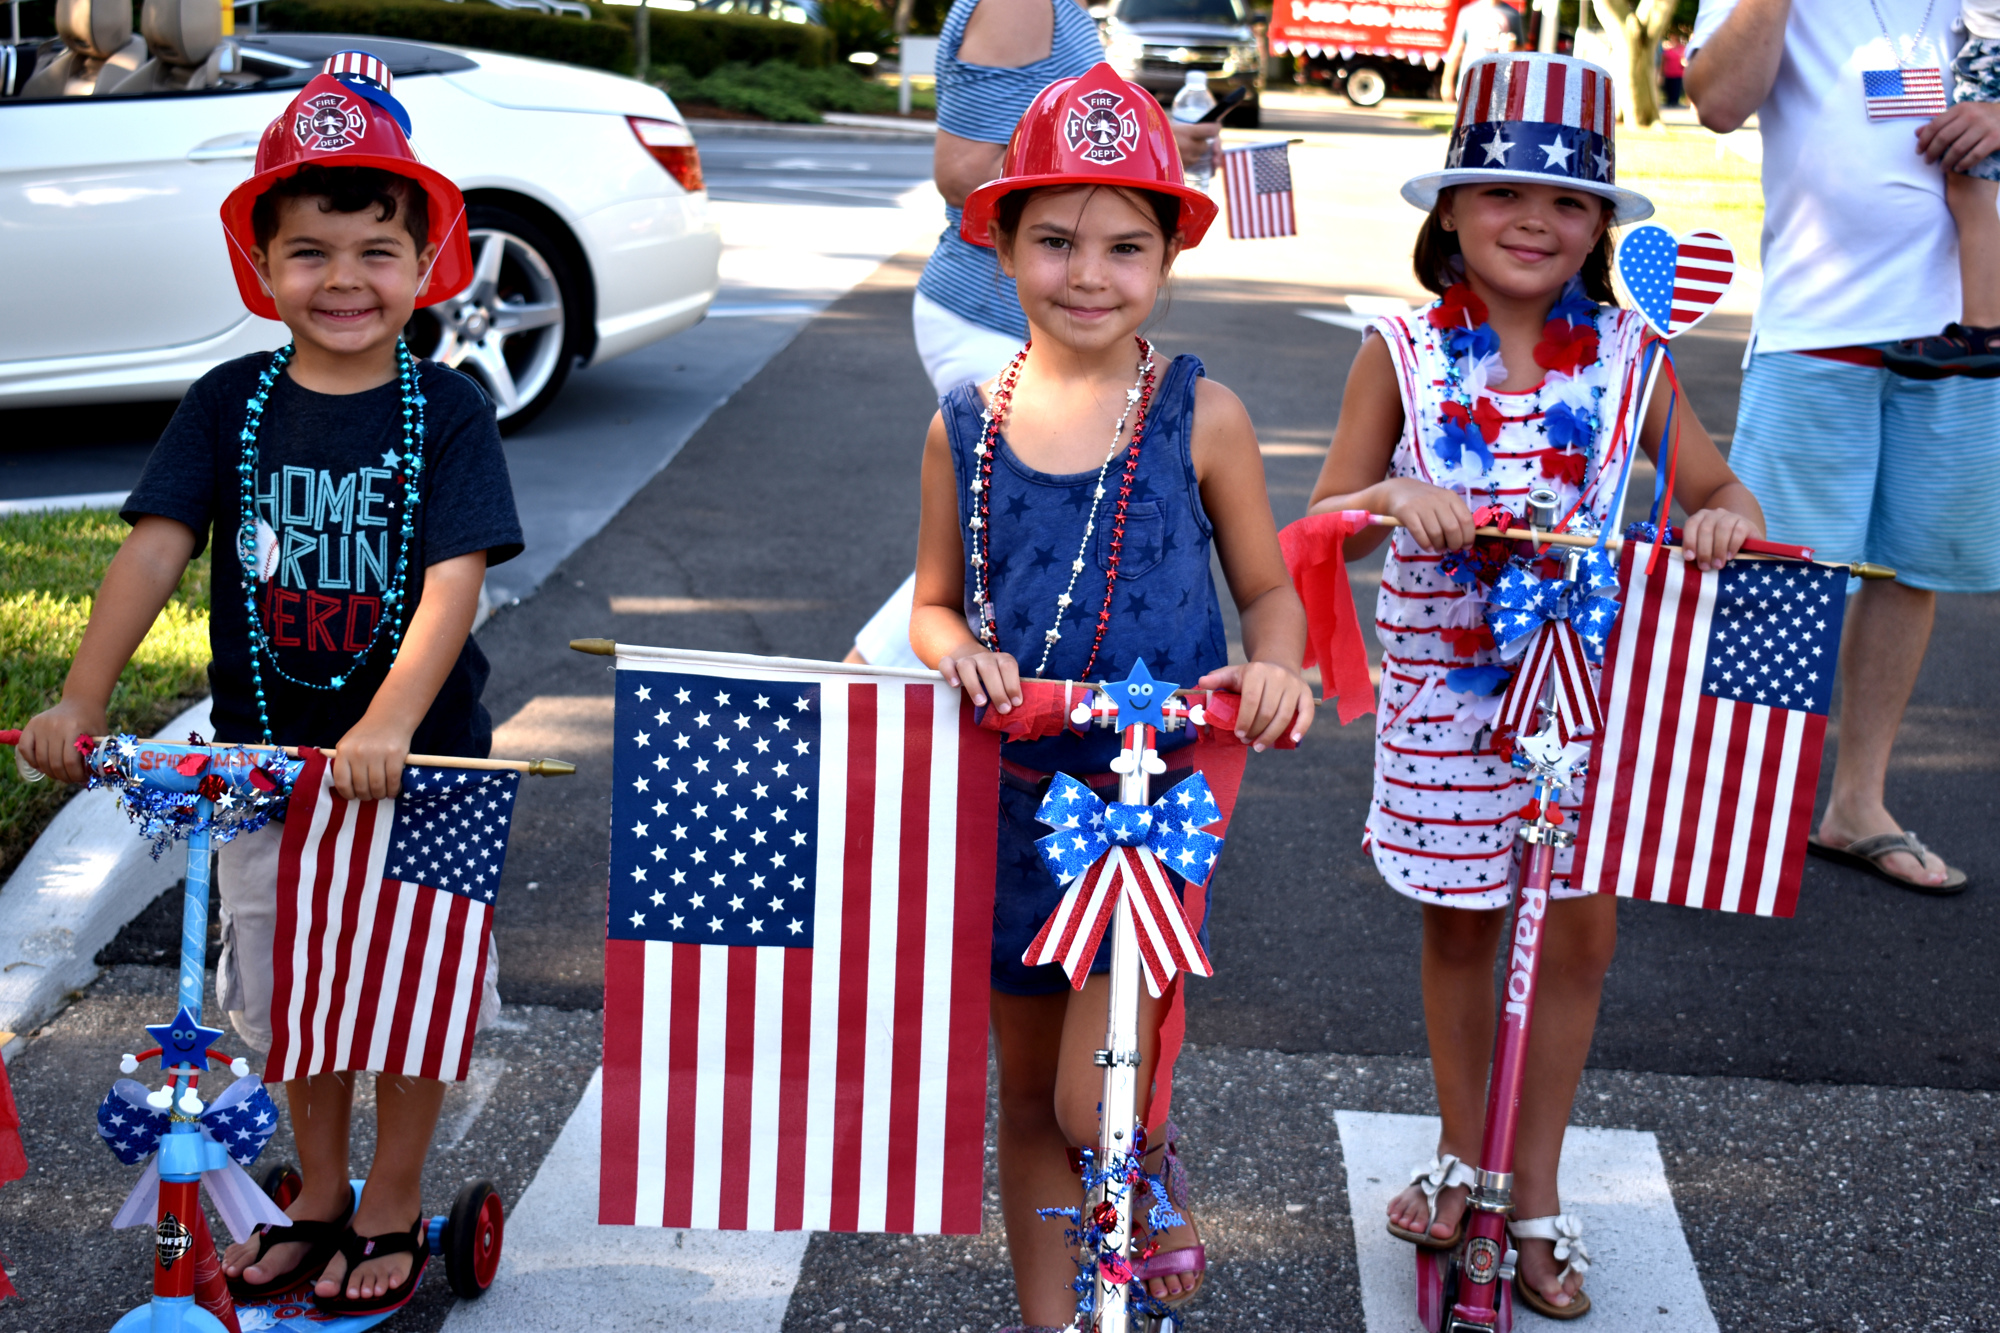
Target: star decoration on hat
pixel 1138 697
pixel 1558 153
pixel 184 1041
pixel 1497 149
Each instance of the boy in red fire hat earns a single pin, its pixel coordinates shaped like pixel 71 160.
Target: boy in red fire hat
pixel 357 496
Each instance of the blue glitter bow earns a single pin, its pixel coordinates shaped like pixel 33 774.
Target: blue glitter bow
pixel 1520 603
pixel 242 1120
pixel 1170 828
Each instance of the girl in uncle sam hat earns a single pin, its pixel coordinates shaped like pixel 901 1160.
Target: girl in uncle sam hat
pixel 1521 374
pixel 356 496
pixel 1069 508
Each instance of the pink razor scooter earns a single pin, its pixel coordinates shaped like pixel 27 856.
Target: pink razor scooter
pixel 1470 1289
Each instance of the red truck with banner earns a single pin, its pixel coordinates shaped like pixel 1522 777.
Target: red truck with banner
pixel 1365 49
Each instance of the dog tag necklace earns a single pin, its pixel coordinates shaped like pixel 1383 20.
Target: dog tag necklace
pixel 1907 90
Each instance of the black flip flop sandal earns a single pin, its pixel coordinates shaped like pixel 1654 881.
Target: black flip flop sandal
pixel 1867 854
pixel 322 1240
pixel 358 1250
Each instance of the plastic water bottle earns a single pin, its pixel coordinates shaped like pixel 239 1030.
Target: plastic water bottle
pixel 1191 103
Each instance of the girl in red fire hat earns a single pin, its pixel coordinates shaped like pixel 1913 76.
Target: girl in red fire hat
pixel 1069 508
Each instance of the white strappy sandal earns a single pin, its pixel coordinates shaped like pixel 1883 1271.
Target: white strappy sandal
pixel 1441 1174
pixel 1566 1230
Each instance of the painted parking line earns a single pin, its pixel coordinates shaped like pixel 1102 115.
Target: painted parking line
pixel 1642 1276
pixel 561 1271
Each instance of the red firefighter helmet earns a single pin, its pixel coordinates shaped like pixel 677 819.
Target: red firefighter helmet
pixel 1095 129
pixel 346 117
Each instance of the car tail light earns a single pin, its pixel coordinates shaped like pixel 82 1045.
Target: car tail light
pixel 672 147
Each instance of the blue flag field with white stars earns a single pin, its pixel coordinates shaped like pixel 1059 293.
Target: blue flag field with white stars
pixel 715 812
pixel 451 830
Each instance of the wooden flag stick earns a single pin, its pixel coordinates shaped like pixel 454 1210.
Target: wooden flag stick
pixel 1752 548
pixel 540 768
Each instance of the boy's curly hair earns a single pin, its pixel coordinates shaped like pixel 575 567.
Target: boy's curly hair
pixel 347 190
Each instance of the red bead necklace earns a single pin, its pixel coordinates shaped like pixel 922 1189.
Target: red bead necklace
pixel 1139 401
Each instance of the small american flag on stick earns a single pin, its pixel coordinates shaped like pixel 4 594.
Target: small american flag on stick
pixel 385 909
pixel 1257 183
pixel 1716 690
pixel 795 979
pixel 1894 93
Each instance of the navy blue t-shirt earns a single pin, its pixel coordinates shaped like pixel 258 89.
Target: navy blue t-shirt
pixel 328 486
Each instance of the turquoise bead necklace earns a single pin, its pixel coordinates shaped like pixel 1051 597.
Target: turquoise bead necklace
pixel 411 460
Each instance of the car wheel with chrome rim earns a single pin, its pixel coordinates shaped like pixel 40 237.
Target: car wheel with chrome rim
pixel 512 328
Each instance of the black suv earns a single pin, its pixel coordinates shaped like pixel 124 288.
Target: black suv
pixel 1155 43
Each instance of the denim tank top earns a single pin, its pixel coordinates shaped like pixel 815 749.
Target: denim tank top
pixel 984 103
pixel 1164 607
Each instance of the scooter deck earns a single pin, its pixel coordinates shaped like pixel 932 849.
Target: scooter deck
pixel 298 1314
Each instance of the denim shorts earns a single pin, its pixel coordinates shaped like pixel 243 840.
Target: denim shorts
pixel 1975 73
pixel 1025 893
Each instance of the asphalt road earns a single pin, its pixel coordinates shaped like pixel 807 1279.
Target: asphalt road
pixel 1821 1087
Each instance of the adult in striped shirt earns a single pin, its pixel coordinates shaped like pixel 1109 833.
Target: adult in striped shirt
pixel 1846 456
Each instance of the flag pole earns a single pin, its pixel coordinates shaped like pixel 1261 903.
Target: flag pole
pixel 1776 550
pixel 540 768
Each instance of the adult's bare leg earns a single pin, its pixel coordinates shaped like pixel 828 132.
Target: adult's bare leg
pixel 1972 202
pixel 1881 650
pixel 1458 1017
pixel 1581 937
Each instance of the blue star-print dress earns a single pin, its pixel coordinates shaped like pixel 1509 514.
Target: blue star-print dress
pixel 1164 608
pixel 1442 821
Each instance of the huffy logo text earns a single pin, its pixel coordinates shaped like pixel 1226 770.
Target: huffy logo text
pixel 172 1241
pixel 329 122
pixel 1097 132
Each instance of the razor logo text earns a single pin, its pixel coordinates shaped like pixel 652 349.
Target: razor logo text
pixel 1527 939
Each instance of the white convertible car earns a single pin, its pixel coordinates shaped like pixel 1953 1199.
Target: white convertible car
pixel 590 227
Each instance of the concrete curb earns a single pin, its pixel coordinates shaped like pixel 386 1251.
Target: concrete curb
pixel 831 132
pixel 85 877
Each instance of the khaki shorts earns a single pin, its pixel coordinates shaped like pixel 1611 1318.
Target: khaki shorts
pixel 246 883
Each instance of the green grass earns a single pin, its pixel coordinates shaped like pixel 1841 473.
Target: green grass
pixel 50 565
pixel 780 90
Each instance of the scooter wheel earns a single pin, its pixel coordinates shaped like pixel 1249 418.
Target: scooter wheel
pixel 1437 1286
pixel 283 1183
pixel 472 1237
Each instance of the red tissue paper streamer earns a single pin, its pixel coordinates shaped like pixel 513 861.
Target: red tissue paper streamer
pixel 1312 548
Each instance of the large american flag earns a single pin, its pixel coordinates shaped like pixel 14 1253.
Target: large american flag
pixel 795 979
pixel 1891 94
pixel 385 909
pixel 1257 184
pixel 1716 690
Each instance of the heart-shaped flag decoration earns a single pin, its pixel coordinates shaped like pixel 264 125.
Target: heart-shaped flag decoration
pixel 1675 283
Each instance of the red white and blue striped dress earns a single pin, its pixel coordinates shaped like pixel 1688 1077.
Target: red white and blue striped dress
pixel 1442 821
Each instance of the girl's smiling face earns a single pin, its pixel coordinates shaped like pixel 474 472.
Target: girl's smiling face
pixel 1524 241
pixel 1089 262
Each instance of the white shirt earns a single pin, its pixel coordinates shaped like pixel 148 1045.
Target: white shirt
pixel 1982 18
pixel 1858 245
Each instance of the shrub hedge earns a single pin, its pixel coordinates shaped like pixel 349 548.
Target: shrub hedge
pixel 698 42
pixel 600 43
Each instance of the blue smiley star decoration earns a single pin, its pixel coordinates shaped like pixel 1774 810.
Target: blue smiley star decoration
pixel 1138 697
pixel 184 1041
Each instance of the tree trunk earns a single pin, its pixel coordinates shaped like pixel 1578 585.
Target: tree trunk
pixel 1635 30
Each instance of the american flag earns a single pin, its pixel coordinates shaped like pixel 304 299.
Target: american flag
pixel 1257 182
pixel 1559 652
pixel 385 909
pixel 1680 280
pixel 795 979
pixel 1716 692
pixel 1894 93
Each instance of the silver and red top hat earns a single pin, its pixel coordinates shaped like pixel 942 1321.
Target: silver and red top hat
pixel 1539 119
